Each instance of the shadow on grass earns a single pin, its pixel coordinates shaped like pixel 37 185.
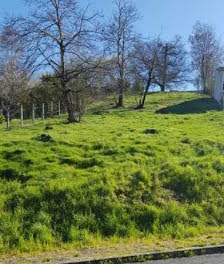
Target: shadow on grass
pixel 196 106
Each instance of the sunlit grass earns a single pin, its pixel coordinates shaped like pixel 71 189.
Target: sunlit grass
pixel 120 173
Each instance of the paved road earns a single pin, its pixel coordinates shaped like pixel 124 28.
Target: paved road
pixel 207 259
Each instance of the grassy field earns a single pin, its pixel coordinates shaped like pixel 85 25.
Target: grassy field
pixel 121 173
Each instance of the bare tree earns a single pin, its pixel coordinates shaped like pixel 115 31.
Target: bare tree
pixel 110 80
pixel 55 31
pixel 14 78
pixel 13 82
pixel 144 65
pixel 206 55
pixel 172 67
pixel 119 37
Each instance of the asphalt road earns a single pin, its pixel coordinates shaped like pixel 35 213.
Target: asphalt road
pixel 207 259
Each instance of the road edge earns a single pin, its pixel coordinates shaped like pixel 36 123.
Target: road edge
pixel 188 252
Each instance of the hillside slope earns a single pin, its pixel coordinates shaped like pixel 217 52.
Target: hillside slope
pixel 119 173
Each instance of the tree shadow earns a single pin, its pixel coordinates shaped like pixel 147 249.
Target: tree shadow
pixel 196 106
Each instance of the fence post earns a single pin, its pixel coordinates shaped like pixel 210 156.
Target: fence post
pixel 8 120
pixel 21 115
pixel 59 108
pixel 43 113
pixel 33 112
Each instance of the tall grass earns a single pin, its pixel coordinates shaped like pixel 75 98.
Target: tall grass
pixel 108 178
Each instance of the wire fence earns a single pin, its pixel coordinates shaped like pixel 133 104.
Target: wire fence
pixel 28 114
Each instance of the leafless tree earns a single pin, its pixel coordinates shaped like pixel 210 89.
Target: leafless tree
pixel 14 78
pixel 119 37
pixel 172 67
pixel 206 55
pixel 144 65
pixel 54 32
pixel 110 80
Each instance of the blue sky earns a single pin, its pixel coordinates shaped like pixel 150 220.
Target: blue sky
pixel 165 17
pixel 168 17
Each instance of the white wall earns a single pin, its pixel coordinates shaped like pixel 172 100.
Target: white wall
pixel 219 82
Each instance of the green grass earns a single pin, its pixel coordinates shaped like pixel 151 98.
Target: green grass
pixel 120 173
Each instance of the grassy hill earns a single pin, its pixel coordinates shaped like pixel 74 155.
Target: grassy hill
pixel 120 173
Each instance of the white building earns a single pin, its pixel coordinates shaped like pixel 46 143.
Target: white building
pixel 219 86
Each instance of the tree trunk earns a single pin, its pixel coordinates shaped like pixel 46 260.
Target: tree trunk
pixel 142 102
pixel 70 108
pixel 75 107
pixel 121 94
pixel 141 106
pixel 162 87
pixel 120 100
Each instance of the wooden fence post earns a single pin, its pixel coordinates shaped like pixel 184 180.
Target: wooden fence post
pixel 8 120
pixel 43 111
pixel 59 108
pixel 21 115
pixel 33 112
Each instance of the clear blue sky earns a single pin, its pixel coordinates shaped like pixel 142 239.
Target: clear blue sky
pixel 168 17
pixel 164 17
